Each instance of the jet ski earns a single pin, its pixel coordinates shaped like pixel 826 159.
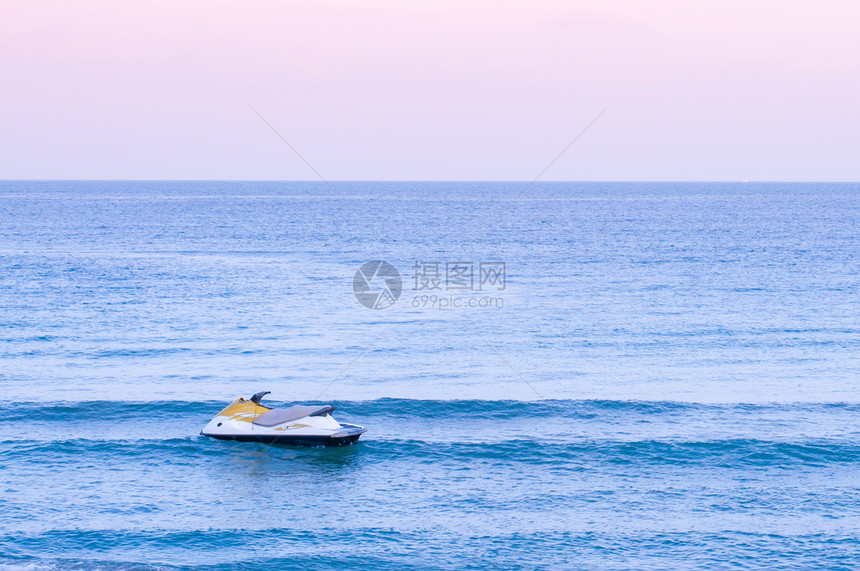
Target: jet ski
pixel 301 425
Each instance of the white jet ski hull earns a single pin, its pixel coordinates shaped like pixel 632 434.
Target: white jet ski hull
pixel 298 425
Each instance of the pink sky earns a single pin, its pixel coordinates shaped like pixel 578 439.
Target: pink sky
pixel 695 90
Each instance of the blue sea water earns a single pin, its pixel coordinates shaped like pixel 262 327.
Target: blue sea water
pixel 668 378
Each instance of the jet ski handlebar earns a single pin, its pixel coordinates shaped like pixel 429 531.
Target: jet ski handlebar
pixel 259 396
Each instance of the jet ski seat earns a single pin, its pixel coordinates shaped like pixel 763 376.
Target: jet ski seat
pixel 280 415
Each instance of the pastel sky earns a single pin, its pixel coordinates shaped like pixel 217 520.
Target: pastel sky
pixel 430 90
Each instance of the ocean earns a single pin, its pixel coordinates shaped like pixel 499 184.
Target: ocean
pixel 558 375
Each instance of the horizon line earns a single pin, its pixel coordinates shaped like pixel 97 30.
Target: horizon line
pixel 317 181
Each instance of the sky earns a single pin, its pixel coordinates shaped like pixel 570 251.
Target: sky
pixel 430 90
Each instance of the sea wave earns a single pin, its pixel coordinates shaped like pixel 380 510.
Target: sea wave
pixel 570 434
pixel 337 548
pixel 717 453
pixel 402 408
